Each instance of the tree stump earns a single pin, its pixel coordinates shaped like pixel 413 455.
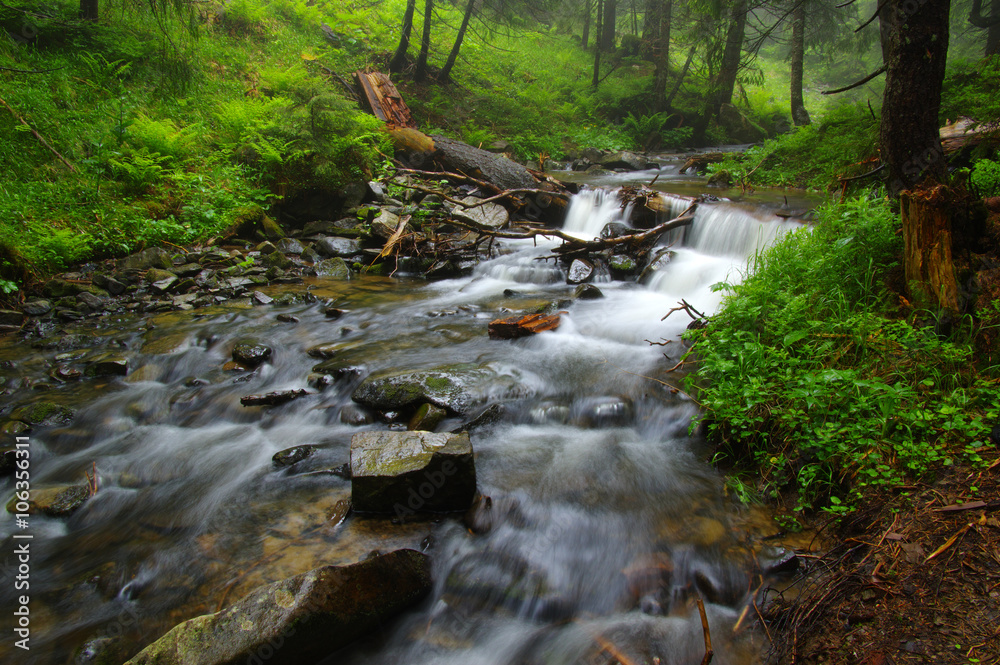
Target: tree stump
pixel 927 238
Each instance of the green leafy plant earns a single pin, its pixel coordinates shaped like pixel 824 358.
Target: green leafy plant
pixel 986 177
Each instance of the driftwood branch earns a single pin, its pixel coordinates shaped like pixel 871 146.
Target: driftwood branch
pixel 709 652
pixel 38 136
pixel 573 244
pixel 877 72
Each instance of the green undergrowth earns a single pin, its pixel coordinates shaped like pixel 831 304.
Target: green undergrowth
pixel 815 387
pixel 841 143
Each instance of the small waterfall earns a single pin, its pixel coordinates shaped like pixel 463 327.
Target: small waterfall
pixel 733 230
pixel 593 209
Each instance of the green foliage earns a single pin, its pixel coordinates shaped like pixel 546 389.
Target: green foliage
pixel 970 91
pixel 809 380
pixel 841 143
pixel 986 177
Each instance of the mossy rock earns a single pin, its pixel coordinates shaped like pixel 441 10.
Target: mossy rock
pixel 43 413
pixel 302 619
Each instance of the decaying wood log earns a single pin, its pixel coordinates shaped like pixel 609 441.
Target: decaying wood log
pixel 384 100
pixel 927 242
pixel 522 326
pixel 965 132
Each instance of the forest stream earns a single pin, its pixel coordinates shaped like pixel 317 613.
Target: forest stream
pixel 608 519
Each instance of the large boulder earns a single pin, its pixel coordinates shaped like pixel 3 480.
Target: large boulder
pixel 404 472
pixel 302 619
pixel 624 160
pixel 152 257
pixel 490 215
pixel 455 389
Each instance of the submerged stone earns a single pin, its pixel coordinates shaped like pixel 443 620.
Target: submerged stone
pixel 107 365
pixel 405 472
pixel 251 354
pixel 302 619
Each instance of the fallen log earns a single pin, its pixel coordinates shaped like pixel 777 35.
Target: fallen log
pixel 273 399
pixel 522 326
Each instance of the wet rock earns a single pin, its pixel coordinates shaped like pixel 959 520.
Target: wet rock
pixel 580 271
pixel 335 268
pixel 275 398
pixel 354 415
pixel 8 460
pixel 324 351
pixel 250 353
pixel 276 260
pixel 272 230
pixel 334 246
pixel 146 373
pixel 10 317
pixel 385 224
pixel 291 246
pixel 43 413
pixel 333 313
pixel 446 389
pixel 656 264
pixel 550 412
pixel 490 215
pixel 102 651
pixel 624 160
pixel 187 270
pixel 405 472
pixel 107 365
pixel 258 298
pixel 588 292
pixel 14 428
pixel 615 230
pixel 58 501
pixel 491 415
pixel 152 257
pixel 597 169
pixel 290 456
pixel 301 619
pixel 60 288
pixel 340 370
pixel 266 247
pixel 64 373
pixel 622 265
pixel 426 418
pixel 37 307
pixel 606 412
pixel 777 560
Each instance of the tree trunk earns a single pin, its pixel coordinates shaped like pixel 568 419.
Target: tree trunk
pixel 927 247
pixel 650 30
pixel 608 25
pixel 993 32
pixel 800 116
pixel 89 9
pixel 399 57
pixel 588 9
pixel 661 56
pixel 680 79
pixel 597 45
pixel 446 72
pixel 916 51
pixel 722 91
pixel 425 43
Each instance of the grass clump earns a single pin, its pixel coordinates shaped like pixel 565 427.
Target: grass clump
pixel 808 375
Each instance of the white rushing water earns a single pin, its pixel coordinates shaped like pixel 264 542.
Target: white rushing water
pixel 591 469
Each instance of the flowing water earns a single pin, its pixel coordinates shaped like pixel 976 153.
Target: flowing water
pixel 595 481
